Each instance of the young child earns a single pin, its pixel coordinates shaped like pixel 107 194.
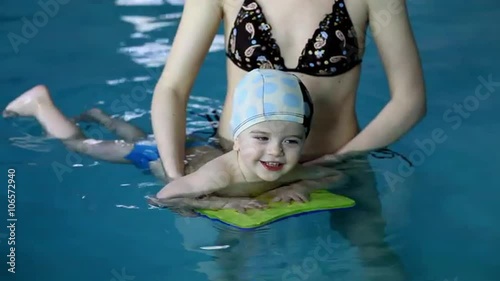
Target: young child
pixel 271 119
pixel 134 147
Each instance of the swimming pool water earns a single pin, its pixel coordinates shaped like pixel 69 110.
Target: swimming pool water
pixel 84 220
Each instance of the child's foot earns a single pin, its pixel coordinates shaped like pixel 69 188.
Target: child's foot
pixel 27 103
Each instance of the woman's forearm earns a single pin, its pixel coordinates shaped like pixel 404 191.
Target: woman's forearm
pixel 395 119
pixel 168 115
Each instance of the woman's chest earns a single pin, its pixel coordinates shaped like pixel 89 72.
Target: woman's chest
pixel 292 26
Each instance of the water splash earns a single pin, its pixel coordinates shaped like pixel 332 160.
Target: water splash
pixel 30 142
pixel 127 207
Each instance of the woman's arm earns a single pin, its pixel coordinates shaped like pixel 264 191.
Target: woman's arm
pixel 399 54
pixel 196 31
pixel 308 171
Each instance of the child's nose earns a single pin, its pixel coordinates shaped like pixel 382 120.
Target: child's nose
pixel 275 149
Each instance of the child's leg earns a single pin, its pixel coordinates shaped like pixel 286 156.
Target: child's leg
pixel 119 127
pixel 158 170
pixel 37 103
pixel 112 151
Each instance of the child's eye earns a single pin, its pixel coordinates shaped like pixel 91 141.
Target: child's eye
pixel 261 138
pixel 292 141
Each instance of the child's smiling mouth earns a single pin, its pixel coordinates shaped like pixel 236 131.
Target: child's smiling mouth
pixel 272 166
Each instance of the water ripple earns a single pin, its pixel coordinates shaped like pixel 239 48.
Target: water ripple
pixel 29 142
pixel 127 207
pixel 150 52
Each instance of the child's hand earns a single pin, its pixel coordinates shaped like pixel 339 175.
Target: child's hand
pixel 290 193
pixel 243 204
pixel 175 205
pixel 165 203
pixel 300 191
pixel 183 212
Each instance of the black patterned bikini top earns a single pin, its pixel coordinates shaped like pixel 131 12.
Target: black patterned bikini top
pixel 332 50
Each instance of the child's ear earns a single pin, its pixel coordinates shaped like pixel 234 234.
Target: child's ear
pixel 236 144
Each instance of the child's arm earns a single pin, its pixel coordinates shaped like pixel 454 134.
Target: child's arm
pixel 211 177
pixel 212 203
pixel 209 203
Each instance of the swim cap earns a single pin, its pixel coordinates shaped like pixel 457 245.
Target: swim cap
pixel 270 95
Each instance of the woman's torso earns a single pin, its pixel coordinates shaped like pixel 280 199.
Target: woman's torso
pixel 293 23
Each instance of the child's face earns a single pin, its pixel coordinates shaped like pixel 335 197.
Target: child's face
pixel 269 150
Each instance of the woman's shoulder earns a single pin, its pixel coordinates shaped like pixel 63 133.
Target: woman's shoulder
pixel 207 8
pixel 385 8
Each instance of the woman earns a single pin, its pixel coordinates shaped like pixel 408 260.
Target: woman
pixel 294 28
pixel 325 52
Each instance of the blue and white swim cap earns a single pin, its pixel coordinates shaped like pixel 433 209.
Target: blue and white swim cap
pixel 270 95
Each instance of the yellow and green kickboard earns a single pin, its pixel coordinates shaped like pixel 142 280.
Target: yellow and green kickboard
pixel 320 200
